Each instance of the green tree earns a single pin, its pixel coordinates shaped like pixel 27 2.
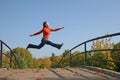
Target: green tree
pixel 6 58
pixel 77 58
pixel 97 45
pixel 22 58
pixel 53 62
pixel 65 59
pixel 40 63
pixel 46 62
pixel 35 63
pixel 57 60
pixel 103 55
pixel 116 56
pixel 6 61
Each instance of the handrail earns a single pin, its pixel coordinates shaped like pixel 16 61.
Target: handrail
pixel 85 49
pixel 6 45
pixel 1 49
pixel 110 35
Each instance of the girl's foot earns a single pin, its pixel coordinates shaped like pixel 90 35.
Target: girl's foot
pixel 27 47
pixel 61 46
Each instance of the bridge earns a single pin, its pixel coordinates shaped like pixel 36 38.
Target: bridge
pixel 84 71
pixel 77 73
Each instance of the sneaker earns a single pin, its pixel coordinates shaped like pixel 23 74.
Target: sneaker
pixel 61 46
pixel 27 47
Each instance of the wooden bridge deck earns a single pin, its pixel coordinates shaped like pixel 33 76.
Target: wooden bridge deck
pixel 54 74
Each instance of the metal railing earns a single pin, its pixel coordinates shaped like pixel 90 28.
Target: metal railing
pixel 8 57
pixel 85 50
pixel 1 53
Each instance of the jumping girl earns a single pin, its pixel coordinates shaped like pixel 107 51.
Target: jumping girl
pixel 46 33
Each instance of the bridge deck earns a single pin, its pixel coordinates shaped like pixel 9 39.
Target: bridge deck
pixel 53 74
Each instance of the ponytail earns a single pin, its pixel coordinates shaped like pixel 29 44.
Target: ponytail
pixel 44 23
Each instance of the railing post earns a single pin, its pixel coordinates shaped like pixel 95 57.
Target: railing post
pixel 70 58
pixel 85 48
pixel 10 59
pixel 1 47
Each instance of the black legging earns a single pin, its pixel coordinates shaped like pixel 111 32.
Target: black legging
pixel 43 42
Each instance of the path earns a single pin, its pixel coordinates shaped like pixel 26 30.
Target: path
pixel 53 74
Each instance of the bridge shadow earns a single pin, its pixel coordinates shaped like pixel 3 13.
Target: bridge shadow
pixel 54 74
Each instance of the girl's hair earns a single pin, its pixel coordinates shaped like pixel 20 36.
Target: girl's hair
pixel 44 23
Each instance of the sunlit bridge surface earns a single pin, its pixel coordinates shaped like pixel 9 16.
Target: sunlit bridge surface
pixel 56 74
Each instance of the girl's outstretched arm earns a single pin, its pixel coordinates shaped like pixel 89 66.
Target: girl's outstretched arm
pixel 37 33
pixel 56 29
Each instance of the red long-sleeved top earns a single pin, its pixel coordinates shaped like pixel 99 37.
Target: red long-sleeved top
pixel 46 32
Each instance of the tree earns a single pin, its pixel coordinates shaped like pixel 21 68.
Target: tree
pixel 40 63
pixel 22 58
pixel 35 63
pixel 116 56
pixel 57 60
pixel 46 62
pixel 6 61
pixel 103 55
pixel 77 59
pixel 53 62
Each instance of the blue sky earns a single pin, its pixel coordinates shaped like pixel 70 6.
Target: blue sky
pixel 82 19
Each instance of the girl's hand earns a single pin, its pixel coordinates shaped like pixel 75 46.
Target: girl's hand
pixel 30 35
pixel 62 27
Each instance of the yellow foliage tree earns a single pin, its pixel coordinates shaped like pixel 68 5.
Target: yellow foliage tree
pixel 106 55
